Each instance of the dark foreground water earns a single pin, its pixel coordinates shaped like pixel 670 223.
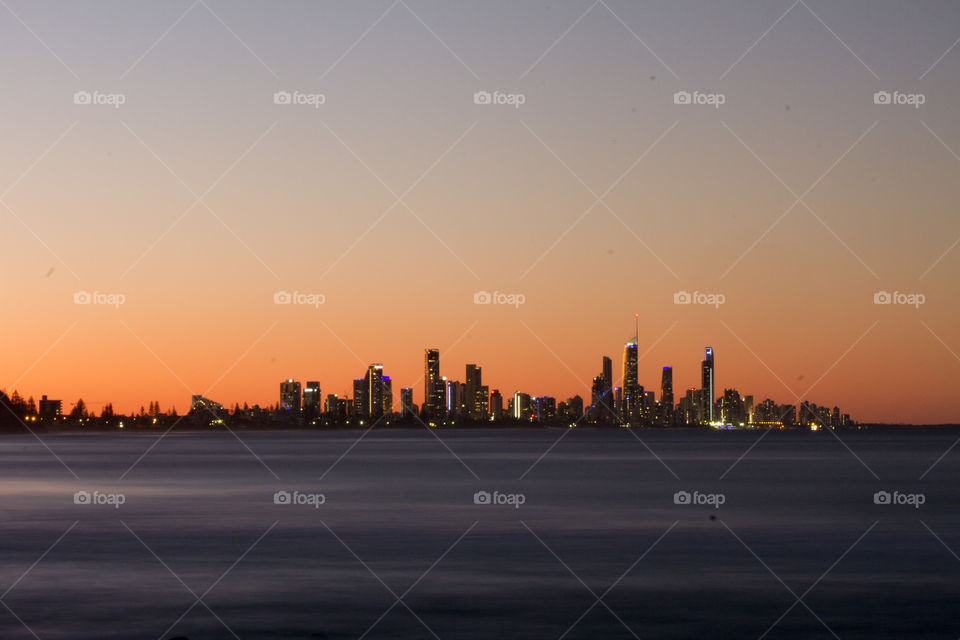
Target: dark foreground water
pixel 399 549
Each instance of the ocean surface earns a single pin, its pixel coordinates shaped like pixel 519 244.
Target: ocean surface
pixel 577 534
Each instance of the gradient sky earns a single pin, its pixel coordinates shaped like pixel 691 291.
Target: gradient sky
pixel 95 198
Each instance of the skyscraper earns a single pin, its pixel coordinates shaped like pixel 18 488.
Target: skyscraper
pixel 607 405
pixel 433 387
pixel 374 395
pixel 496 404
pixel 455 398
pixel 387 395
pixel 406 402
pixel 607 374
pixel 666 395
pixel 360 401
pixel 473 400
pixel 311 398
pixel 290 396
pixel 706 387
pixel 632 393
pixel 521 406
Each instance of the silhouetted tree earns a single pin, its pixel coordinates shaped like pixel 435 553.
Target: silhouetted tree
pixel 79 410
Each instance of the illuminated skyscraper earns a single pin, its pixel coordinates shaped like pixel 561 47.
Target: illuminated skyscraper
pixel 632 393
pixel 434 391
pixel 545 408
pixel 521 406
pixel 455 398
pixel 706 387
pixel 387 395
pixel 483 403
pixel 311 398
pixel 374 394
pixel 474 400
pixel 290 396
pixel 360 401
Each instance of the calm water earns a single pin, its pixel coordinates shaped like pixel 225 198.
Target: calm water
pixel 200 549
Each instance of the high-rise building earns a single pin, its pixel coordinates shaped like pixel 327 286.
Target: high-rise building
pixel 455 398
pixel 311 398
pixel 442 397
pixel 474 400
pixel 290 396
pixel 748 409
pixel 575 407
pixel 596 391
pixel 521 406
pixel 632 392
pixel 374 391
pixel 731 408
pixel 433 387
pixel 666 395
pixel 387 395
pixel 496 404
pixel 360 399
pixel 546 409
pixel 336 408
pixel 483 403
pixel 607 373
pixel 706 387
pixel 407 408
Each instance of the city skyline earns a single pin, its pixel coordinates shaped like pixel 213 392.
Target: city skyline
pixel 619 401
pixel 198 204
